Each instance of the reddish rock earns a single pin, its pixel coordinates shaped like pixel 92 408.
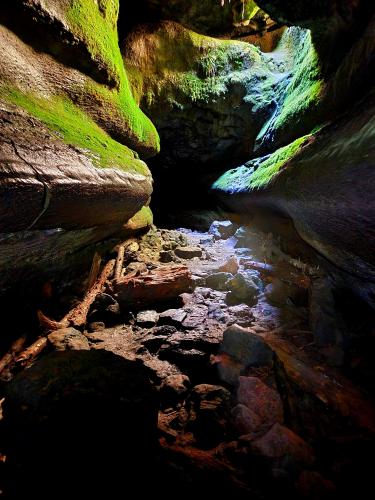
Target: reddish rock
pixel 230 266
pixel 281 441
pixel 246 421
pixel 260 399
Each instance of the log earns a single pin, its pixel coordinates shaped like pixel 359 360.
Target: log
pixel 9 358
pixel 159 285
pixel 29 354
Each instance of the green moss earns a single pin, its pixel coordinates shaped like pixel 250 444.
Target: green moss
pixel 118 104
pixel 273 164
pixel 247 11
pixel 141 220
pixel 96 24
pixel 177 65
pixel 248 178
pixel 305 88
pixel 76 128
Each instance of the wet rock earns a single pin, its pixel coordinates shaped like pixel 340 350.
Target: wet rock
pixel 195 316
pixel 173 317
pixel 209 414
pixel 262 401
pixel 147 319
pixel 241 350
pixel 241 315
pixel 222 229
pixel 230 266
pixel 242 289
pixel 218 281
pixel 173 389
pixel 167 256
pixel 281 442
pixel 96 326
pixel 188 252
pixel 68 339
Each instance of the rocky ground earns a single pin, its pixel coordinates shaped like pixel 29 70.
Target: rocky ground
pixel 217 386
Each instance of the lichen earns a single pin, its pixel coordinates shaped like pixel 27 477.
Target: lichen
pixel 76 128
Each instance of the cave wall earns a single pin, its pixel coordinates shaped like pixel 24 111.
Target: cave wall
pixel 73 138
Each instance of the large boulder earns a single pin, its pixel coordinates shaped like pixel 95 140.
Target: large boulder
pixel 80 414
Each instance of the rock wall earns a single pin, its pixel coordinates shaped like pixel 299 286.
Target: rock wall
pixel 72 134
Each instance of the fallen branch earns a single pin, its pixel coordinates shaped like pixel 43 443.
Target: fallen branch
pixel 119 261
pixel 77 316
pixel 9 358
pixel 49 324
pixel 265 269
pixel 29 354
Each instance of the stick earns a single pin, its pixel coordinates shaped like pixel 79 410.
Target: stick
pixel 9 358
pixel 32 352
pixel 119 261
pixel 50 324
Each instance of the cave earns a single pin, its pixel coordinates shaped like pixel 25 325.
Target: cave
pixel 187 248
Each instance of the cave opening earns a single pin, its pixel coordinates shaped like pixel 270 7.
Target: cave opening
pixel 187 273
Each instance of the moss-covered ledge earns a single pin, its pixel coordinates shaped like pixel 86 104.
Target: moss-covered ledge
pixel 86 65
